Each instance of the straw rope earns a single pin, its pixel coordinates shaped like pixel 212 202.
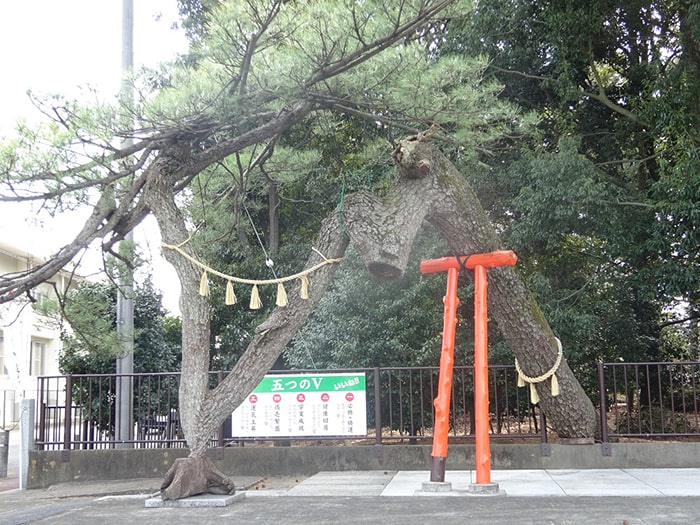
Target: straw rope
pixel 524 379
pixel 255 302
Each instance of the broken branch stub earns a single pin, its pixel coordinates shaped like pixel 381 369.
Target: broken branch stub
pixel 383 229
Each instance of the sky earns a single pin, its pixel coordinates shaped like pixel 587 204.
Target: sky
pixel 59 46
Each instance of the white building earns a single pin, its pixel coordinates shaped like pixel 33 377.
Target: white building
pixel 29 340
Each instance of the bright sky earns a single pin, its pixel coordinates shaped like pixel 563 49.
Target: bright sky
pixel 56 46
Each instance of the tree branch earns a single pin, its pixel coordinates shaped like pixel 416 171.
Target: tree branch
pixel 674 322
pixel 273 11
pixel 375 47
pixel 602 97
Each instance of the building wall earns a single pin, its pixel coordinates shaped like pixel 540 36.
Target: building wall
pixel 29 340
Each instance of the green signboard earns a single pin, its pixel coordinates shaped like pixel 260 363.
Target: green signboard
pixel 304 405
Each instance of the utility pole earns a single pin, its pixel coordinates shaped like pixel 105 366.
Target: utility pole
pixel 124 416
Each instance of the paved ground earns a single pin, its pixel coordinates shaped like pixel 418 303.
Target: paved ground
pixel 629 497
pixel 561 497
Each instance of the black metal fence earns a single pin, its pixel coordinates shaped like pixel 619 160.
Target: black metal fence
pixel 79 411
pixel 635 400
pixel 649 400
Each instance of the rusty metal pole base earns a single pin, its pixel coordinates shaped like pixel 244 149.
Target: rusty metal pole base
pixel 437 476
pixel 437 469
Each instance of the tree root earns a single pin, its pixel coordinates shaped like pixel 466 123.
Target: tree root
pixel 192 476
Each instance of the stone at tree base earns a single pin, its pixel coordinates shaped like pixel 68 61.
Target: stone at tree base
pixel 193 476
pixel 202 500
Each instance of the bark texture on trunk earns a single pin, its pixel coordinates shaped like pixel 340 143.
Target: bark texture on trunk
pixel 276 331
pixel 429 187
pixel 195 315
pixel 202 410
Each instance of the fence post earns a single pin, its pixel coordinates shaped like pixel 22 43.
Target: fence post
pixel 545 449
pixel 41 431
pixel 222 429
pixel 377 407
pixel 26 430
pixel 4 451
pixel 605 445
pixel 68 421
pixel 543 427
pixel 4 409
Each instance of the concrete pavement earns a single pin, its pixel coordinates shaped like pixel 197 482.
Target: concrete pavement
pixel 623 497
pixel 361 510
pixel 638 483
pixel 557 483
pixel 561 497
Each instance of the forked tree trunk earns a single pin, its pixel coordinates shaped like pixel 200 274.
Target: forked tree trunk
pixel 192 476
pixel 427 187
pixel 202 410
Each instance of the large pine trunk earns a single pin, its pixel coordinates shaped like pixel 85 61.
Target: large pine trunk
pixel 427 187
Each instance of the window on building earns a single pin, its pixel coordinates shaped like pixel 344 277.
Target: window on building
pixel 3 366
pixel 42 299
pixel 37 358
pixel 41 296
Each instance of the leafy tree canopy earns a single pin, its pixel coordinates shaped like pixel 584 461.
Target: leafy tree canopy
pixel 602 202
pixel 93 344
pixel 264 76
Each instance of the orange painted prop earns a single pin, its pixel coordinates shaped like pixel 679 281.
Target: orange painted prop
pixel 478 262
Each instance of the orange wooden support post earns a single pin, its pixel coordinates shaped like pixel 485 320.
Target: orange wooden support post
pixel 481 377
pixel 478 262
pixel 442 401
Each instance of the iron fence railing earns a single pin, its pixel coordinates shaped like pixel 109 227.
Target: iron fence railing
pixel 78 411
pixel 635 400
pixel 649 400
pixel 406 402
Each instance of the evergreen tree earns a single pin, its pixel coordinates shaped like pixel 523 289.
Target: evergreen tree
pixel 602 203
pixel 263 74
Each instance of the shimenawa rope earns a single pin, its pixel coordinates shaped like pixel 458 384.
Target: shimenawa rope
pixel 523 379
pixel 255 302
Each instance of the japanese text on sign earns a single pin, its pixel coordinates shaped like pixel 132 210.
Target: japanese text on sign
pixel 303 405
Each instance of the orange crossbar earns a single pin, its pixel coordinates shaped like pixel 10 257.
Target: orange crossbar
pixel 487 260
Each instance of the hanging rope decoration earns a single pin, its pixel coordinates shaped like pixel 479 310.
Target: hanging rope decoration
pixel 255 302
pixel 523 379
